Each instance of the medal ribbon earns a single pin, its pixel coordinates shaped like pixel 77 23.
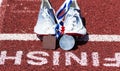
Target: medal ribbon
pixel 60 15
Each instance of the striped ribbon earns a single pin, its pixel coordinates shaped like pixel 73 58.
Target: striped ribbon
pixel 60 15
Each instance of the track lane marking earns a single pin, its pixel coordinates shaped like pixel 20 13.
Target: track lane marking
pixel 20 37
pixel 104 38
pixel 33 37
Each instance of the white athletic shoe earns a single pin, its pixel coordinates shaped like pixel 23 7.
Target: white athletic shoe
pixel 46 20
pixel 73 23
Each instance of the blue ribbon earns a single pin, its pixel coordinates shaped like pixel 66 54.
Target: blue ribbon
pixel 63 9
pixel 60 17
pixel 57 32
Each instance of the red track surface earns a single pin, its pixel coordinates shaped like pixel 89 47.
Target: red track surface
pixel 102 17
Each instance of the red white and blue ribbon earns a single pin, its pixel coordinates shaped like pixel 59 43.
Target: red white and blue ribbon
pixel 60 15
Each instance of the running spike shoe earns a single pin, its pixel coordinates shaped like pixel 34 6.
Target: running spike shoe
pixel 46 20
pixel 73 23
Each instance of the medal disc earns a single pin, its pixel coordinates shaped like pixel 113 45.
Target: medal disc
pixel 67 42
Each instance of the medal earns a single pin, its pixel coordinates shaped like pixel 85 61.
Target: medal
pixel 67 42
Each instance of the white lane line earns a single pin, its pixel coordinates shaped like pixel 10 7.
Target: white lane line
pixel 23 37
pixel 0 2
pixel 102 38
pixel 33 37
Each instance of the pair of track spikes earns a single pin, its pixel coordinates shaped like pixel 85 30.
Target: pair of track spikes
pixel 50 23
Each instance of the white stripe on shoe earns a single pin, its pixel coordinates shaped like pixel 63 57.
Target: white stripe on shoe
pixel 33 37
pixel 0 2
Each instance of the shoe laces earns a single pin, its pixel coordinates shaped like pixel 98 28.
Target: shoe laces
pixel 47 18
pixel 47 15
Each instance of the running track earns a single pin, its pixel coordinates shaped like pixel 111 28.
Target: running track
pixel 18 17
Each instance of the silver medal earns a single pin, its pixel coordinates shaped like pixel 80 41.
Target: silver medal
pixel 67 42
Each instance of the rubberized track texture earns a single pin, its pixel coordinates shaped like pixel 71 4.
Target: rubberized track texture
pixel 21 50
